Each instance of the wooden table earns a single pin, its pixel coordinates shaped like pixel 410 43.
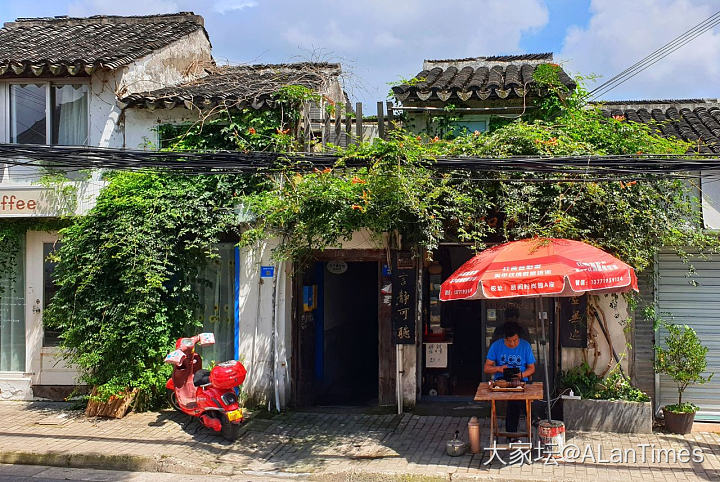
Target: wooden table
pixel 533 391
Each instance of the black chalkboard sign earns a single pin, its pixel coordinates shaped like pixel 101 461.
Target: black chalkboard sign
pixel 404 299
pixel 573 322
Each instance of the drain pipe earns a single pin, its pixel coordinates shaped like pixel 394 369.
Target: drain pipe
pixel 398 377
pixel 276 286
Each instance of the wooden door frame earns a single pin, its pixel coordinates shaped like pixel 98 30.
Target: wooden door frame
pixel 386 363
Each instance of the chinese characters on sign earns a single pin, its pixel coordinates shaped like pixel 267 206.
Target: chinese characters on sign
pixel 573 322
pixel 436 355
pixel 403 299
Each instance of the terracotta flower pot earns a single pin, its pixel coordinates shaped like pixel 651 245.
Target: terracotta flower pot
pixel 680 423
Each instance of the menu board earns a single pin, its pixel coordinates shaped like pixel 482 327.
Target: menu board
pixel 404 298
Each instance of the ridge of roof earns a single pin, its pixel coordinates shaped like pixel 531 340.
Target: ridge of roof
pixel 289 66
pixel 106 19
pixel 500 58
pixel 669 102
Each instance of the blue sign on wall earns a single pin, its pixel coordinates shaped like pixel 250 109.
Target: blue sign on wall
pixel 267 271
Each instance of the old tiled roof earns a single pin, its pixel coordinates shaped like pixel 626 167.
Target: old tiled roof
pixel 693 120
pixel 78 46
pixel 237 86
pixel 478 78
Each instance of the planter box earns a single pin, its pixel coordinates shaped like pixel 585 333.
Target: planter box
pixel 608 416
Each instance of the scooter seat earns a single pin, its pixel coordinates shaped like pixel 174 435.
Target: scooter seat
pixel 201 377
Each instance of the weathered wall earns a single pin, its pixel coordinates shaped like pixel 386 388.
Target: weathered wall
pixel 615 311
pixel 256 309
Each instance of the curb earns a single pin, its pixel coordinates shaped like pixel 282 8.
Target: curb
pixel 130 463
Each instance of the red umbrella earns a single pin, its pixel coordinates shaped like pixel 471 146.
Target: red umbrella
pixel 538 267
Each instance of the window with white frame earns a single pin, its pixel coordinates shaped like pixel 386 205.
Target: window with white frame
pixel 48 113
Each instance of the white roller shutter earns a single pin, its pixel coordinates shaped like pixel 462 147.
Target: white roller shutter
pixel 695 301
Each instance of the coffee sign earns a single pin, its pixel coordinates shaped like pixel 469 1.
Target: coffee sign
pixel 25 202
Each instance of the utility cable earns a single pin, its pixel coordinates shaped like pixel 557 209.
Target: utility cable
pixel 656 56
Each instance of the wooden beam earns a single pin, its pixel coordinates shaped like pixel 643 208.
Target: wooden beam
pixel 348 124
pixel 358 122
pixel 380 121
pixel 390 116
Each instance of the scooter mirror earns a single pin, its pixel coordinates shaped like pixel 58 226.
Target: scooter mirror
pixel 175 357
pixel 206 339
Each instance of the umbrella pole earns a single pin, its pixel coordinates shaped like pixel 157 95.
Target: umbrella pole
pixel 545 364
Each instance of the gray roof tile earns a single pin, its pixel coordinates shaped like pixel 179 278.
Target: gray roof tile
pixel 481 78
pixel 78 46
pixel 238 86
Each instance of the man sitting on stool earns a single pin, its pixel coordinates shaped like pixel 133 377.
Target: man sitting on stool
pixel 511 352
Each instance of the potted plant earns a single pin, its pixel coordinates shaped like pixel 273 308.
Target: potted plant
pixel 684 359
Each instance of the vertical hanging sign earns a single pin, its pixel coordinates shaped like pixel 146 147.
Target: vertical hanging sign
pixel 404 299
pixel 573 322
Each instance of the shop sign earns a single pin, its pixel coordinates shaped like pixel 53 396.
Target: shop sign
pixel 337 267
pixel 573 322
pixel 21 202
pixel 436 355
pixel 404 298
pixel 267 271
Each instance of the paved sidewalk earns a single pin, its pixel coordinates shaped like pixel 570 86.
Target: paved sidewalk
pixel 329 446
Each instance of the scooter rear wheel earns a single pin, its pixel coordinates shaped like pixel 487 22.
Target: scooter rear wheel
pixel 229 430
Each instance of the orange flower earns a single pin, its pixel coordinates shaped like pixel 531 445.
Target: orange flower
pixel 357 180
pixel 357 207
pixel 552 141
pixel 476 133
pixel 327 170
pixel 619 118
pixel 280 131
pixel 435 139
pixel 252 130
pixel 418 138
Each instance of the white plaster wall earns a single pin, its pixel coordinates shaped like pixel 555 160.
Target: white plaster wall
pixel 615 310
pixel 112 126
pixel 181 61
pixel 140 131
pixel 256 326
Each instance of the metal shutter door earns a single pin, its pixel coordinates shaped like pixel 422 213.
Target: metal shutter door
pixel 699 307
pixel 643 340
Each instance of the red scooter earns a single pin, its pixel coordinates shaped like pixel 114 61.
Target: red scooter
pixel 206 394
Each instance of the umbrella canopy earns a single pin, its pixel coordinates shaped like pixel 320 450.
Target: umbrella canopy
pixel 538 267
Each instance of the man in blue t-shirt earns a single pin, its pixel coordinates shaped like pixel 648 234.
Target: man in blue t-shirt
pixel 511 352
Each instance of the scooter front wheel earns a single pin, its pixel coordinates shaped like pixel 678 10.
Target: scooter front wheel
pixel 172 399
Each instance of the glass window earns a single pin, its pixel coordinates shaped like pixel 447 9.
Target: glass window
pixel 217 301
pixel 70 115
pixel 469 126
pixel 27 114
pixel 51 337
pixel 12 315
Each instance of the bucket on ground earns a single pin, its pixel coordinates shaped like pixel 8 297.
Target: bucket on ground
pixel 551 434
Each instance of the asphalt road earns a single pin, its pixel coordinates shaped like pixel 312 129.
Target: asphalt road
pixel 41 473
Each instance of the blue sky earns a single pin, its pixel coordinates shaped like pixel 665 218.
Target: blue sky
pixel 380 41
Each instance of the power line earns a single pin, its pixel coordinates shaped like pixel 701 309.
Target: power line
pixel 656 56
pixel 619 167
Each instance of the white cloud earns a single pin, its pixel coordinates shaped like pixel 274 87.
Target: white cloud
pixel 620 33
pixel 224 6
pixel 380 40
